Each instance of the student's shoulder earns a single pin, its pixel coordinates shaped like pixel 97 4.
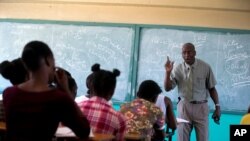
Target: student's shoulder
pixel 125 105
pixel 112 111
pixel 121 118
pixel 155 109
pixel 10 90
pixel 60 95
pixel 167 99
pixel 81 99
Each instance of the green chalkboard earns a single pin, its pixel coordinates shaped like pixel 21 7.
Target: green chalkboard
pixel 139 51
pixel 76 47
pixel 228 53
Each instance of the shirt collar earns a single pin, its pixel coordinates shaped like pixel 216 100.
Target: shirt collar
pixel 187 66
pixel 99 99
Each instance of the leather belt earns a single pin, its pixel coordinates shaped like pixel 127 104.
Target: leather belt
pixel 198 102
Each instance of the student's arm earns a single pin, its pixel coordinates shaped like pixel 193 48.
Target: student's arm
pixel 62 81
pixel 170 117
pixel 73 118
pixel 159 126
pixel 122 128
pixel 159 134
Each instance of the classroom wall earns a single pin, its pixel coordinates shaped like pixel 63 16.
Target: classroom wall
pixel 234 14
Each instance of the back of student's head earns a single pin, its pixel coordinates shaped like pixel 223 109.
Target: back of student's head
pixel 33 53
pixel 67 73
pixel 14 71
pixel 89 81
pixel 72 86
pixel 103 81
pixel 149 90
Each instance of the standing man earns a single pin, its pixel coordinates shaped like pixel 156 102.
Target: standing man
pixel 195 81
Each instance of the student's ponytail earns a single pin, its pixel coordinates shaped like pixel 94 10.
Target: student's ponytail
pixel 6 69
pixel 95 68
pixel 116 72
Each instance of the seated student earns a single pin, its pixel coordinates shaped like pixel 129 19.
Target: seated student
pixel 72 87
pixel 88 85
pixel 2 113
pixel 16 73
pixel 72 84
pixel 246 118
pixel 88 95
pixel 102 117
pixel 165 104
pixel 143 116
pixel 33 109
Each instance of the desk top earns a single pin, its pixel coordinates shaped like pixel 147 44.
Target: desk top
pixel 2 125
pixel 135 137
pixel 102 137
pixel 95 137
pixel 65 132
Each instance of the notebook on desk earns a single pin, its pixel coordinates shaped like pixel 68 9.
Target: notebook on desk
pixel 180 120
pixel 67 132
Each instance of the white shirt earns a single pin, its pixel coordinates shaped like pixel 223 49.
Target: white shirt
pixel 82 98
pixel 160 102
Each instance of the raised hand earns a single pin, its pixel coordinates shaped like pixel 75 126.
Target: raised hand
pixel 169 65
pixel 61 79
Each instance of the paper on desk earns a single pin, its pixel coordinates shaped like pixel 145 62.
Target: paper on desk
pixel 181 120
pixel 66 132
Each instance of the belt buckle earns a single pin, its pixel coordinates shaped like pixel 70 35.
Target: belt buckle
pixel 198 102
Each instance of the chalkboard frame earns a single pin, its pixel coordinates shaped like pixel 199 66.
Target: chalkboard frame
pixel 132 80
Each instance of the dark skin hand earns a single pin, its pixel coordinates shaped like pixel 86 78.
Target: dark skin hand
pixel 217 113
pixel 168 67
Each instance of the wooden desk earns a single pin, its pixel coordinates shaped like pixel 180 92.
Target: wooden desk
pixel 2 130
pixel 102 137
pixel 2 126
pixel 96 137
pixel 135 137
